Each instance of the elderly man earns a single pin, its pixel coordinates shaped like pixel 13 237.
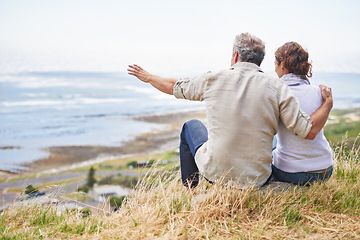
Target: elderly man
pixel 243 108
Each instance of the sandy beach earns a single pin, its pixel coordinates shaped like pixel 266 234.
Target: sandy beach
pixel 168 138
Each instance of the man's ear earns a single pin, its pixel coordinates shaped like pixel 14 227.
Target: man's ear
pixel 236 56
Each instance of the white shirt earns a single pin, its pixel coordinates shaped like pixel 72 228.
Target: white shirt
pixel 293 153
pixel 243 108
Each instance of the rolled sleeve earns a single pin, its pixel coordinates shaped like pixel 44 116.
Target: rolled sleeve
pixel 303 125
pixel 178 90
pixel 291 115
pixel 191 89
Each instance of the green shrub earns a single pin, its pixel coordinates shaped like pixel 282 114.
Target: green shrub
pixel 30 189
pixel 90 181
pixel 132 164
pixel 85 211
pixel 84 188
pixel 116 201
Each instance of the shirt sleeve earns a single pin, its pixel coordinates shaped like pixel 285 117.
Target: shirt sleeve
pixel 291 115
pixel 192 89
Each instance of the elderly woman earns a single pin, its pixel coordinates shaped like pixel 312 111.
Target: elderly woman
pixel 297 160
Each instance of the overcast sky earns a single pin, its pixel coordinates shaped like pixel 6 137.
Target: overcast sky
pixel 173 38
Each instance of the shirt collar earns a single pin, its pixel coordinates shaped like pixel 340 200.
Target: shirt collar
pixel 246 65
pixel 292 79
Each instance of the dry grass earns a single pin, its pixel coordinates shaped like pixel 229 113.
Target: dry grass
pixel 161 208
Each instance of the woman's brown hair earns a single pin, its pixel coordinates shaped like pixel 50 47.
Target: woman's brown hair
pixel 295 59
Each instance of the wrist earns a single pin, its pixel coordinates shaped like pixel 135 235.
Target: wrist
pixel 329 100
pixel 328 103
pixel 148 79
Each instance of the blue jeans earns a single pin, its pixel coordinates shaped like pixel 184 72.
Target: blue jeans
pixel 193 135
pixel 299 178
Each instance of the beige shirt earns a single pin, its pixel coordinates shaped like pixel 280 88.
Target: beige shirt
pixel 243 107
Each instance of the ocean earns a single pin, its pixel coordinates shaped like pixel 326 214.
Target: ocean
pixel 44 109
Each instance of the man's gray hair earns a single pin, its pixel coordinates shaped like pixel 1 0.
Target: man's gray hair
pixel 250 48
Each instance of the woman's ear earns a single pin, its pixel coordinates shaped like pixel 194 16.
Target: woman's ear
pixel 283 68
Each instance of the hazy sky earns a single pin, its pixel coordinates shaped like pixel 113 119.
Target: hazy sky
pixel 173 38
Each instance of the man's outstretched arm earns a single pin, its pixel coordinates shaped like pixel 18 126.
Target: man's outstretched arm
pixel 321 115
pixel 165 85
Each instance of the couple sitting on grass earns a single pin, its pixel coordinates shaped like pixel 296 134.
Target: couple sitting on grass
pixel 245 108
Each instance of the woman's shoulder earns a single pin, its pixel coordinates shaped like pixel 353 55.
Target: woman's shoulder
pixel 308 93
pixel 306 87
pixel 314 88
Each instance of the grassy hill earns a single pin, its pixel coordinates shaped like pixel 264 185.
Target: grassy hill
pixel 160 207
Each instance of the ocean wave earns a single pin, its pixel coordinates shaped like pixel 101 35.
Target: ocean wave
pixel 138 89
pixel 31 103
pixel 80 84
pixel 64 102
pixel 104 100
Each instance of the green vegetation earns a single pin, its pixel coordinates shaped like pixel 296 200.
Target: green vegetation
pixel 336 131
pixel 78 196
pixel 344 124
pixel 342 112
pixel 84 188
pixel 43 186
pixel 124 181
pixel 85 212
pixel 42 222
pixel 132 164
pixel 90 181
pixel 116 202
pixel 30 189
pixel 22 177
